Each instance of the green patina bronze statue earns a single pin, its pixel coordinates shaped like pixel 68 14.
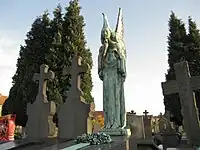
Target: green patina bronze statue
pixel 112 71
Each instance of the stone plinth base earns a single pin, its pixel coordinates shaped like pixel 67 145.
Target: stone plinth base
pixel 116 132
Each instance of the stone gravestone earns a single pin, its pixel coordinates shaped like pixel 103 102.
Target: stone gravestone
pixel 90 123
pixel 164 124
pixel 169 137
pixel 136 125
pixel 73 114
pixel 38 112
pixel 52 125
pixel 185 85
pixel 132 112
pixel 147 125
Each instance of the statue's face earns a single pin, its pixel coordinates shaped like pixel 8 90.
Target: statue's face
pixel 113 36
pixel 105 35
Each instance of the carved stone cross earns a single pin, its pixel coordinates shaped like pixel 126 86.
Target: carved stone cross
pixel 38 126
pixel 185 85
pixel 133 112
pixel 145 112
pixel 75 70
pixel 147 125
pixel 42 77
pixel 71 122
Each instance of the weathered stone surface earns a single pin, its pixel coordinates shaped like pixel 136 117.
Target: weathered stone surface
pixel 136 126
pixel 125 143
pixel 185 85
pixel 164 125
pixel 117 132
pixel 73 114
pixel 171 140
pixel 146 145
pixel 52 125
pixel 37 126
pixel 48 144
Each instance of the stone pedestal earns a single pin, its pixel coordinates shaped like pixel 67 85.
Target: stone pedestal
pixel 117 132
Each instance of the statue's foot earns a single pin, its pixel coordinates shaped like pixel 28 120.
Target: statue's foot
pixel 115 126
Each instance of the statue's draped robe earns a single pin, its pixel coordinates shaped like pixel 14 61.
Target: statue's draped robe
pixel 112 72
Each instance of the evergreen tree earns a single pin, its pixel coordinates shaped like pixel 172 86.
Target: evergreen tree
pixel 192 52
pixel 176 41
pixel 74 39
pixel 55 58
pixel 32 55
pixel 53 43
pixel 61 53
pixel 192 48
pixel 182 46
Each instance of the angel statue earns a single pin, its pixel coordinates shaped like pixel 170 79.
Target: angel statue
pixel 112 71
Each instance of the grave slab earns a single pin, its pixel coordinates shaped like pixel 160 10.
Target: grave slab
pixel 8 145
pixel 77 146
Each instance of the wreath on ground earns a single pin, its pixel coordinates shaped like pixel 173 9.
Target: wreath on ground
pixel 94 138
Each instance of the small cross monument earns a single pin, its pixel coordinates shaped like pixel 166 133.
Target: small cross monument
pixel 133 112
pixel 42 77
pixel 145 113
pixel 75 70
pixel 73 114
pixel 185 85
pixel 147 125
pixel 38 112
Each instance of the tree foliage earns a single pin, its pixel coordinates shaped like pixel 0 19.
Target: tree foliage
pixel 74 38
pixel 52 42
pixel 181 46
pixel 31 56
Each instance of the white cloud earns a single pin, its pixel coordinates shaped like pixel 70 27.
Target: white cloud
pixel 9 49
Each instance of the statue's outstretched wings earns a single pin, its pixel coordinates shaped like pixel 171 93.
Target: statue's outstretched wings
pixel 120 25
pixel 120 31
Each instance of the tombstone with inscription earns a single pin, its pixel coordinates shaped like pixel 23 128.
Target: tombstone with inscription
pixel 38 125
pixel 185 85
pixel 73 114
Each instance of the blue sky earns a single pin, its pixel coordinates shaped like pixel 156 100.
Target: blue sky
pixel 146 31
